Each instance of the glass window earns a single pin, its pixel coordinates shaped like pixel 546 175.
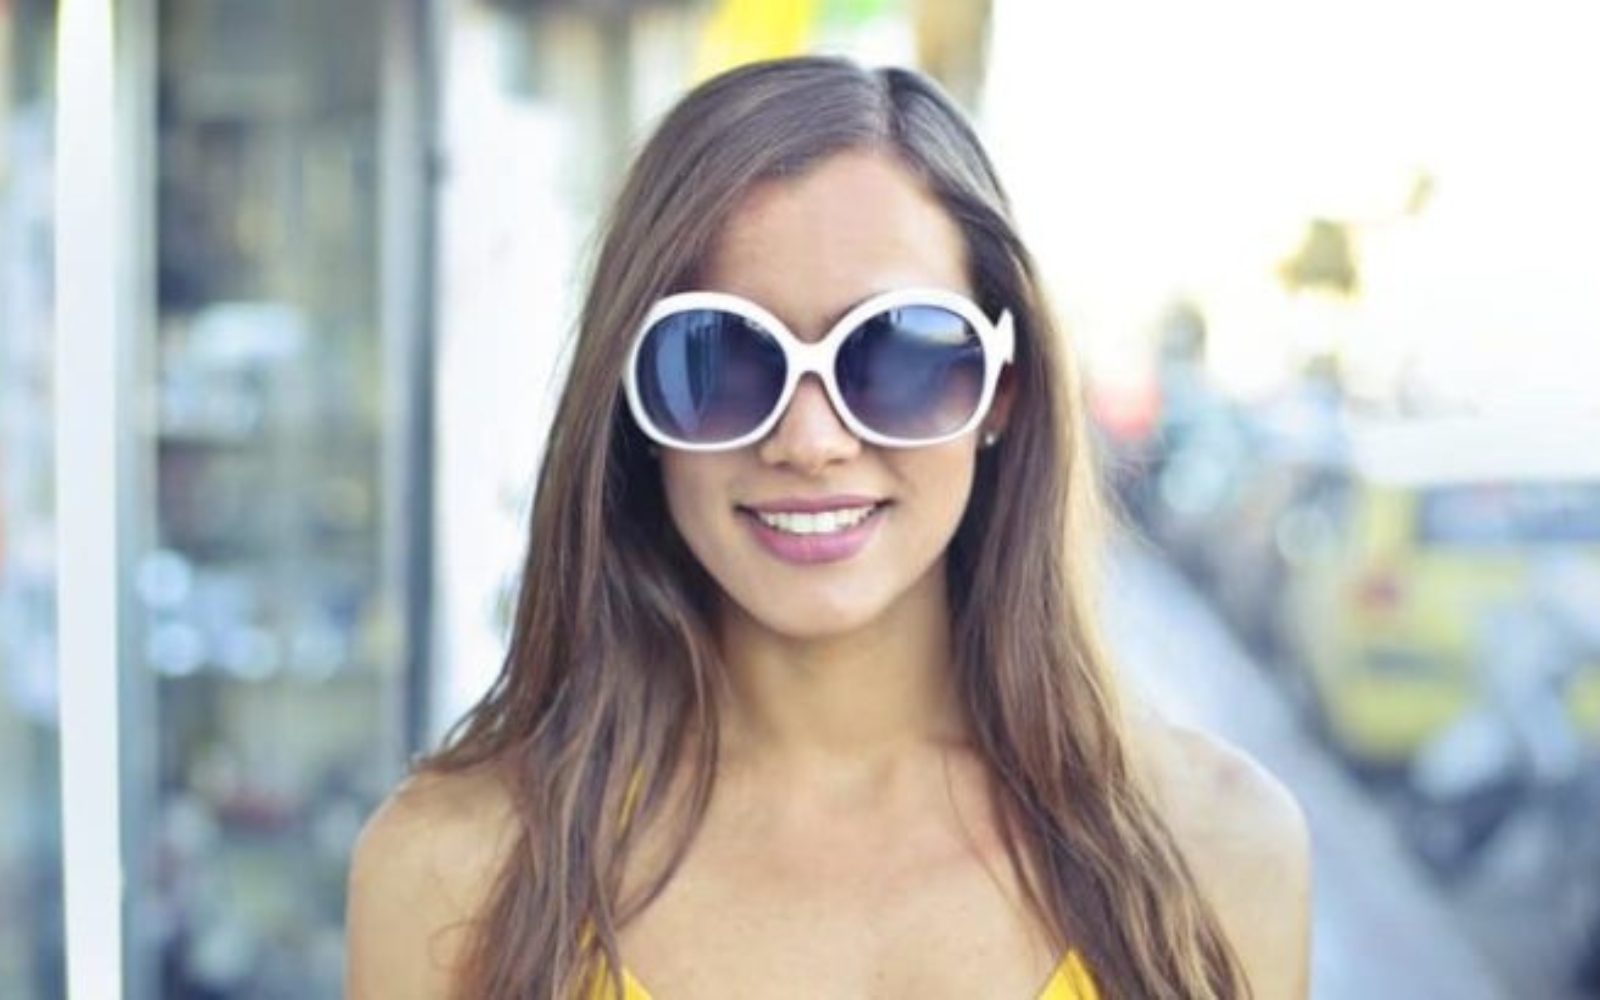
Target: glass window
pixel 269 665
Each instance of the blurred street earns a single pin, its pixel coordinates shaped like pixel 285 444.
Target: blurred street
pixel 1381 930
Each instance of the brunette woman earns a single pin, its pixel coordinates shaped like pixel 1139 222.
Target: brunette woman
pixel 804 696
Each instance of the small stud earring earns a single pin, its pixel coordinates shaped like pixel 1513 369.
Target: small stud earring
pixel 990 439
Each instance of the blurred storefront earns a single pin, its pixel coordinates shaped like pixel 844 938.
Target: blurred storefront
pixel 273 405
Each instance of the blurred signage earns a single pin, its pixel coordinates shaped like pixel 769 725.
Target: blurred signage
pixel 742 31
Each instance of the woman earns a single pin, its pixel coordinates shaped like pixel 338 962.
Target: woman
pixel 803 696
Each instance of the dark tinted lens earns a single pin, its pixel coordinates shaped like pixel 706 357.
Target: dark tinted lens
pixel 915 372
pixel 706 376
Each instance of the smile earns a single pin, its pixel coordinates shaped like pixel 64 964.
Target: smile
pixel 822 522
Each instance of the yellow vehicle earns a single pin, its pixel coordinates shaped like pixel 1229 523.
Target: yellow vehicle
pixel 1402 557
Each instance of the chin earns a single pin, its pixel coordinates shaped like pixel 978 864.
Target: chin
pixel 809 620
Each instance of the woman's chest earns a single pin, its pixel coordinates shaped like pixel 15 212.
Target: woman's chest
pixel 840 916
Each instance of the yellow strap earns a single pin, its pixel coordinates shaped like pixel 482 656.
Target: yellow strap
pixel 1070 982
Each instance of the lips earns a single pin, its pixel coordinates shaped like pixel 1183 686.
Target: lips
pixel 814 530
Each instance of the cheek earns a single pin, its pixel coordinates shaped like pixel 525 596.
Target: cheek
pixel 689 487
pixel 945 476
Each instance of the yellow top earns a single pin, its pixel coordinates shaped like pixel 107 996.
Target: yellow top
pixel 1070 981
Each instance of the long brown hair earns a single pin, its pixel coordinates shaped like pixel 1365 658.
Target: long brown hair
pixel 605 697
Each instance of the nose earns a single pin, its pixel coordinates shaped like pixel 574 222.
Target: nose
pixel 809 436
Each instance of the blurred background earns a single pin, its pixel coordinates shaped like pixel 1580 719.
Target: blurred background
pixel 1332 272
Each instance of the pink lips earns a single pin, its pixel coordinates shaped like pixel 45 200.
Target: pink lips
pixel 817 548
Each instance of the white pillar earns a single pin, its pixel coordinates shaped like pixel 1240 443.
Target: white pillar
pixel 87 495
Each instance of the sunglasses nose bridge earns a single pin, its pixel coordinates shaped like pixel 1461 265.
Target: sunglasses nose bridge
pixel 811 359
pixel 815 360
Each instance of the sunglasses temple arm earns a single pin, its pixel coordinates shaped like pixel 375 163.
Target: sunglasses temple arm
pixel 1005 333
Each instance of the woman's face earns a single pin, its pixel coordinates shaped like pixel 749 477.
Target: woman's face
pixel 775 523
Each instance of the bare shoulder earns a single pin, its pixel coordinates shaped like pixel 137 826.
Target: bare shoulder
pixel 421 871
pixel 1246 839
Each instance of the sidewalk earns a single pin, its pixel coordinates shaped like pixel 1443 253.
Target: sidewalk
pixel 1380 930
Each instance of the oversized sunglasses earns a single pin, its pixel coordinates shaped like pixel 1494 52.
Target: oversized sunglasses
pixel 710 371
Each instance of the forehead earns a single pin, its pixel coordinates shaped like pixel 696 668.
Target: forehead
pixel 811 246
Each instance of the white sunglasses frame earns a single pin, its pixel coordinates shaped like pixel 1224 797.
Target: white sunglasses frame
pixel 801 358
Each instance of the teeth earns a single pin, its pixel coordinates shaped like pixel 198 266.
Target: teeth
pixel 823 522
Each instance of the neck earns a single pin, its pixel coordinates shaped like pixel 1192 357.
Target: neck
pixel 846 702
